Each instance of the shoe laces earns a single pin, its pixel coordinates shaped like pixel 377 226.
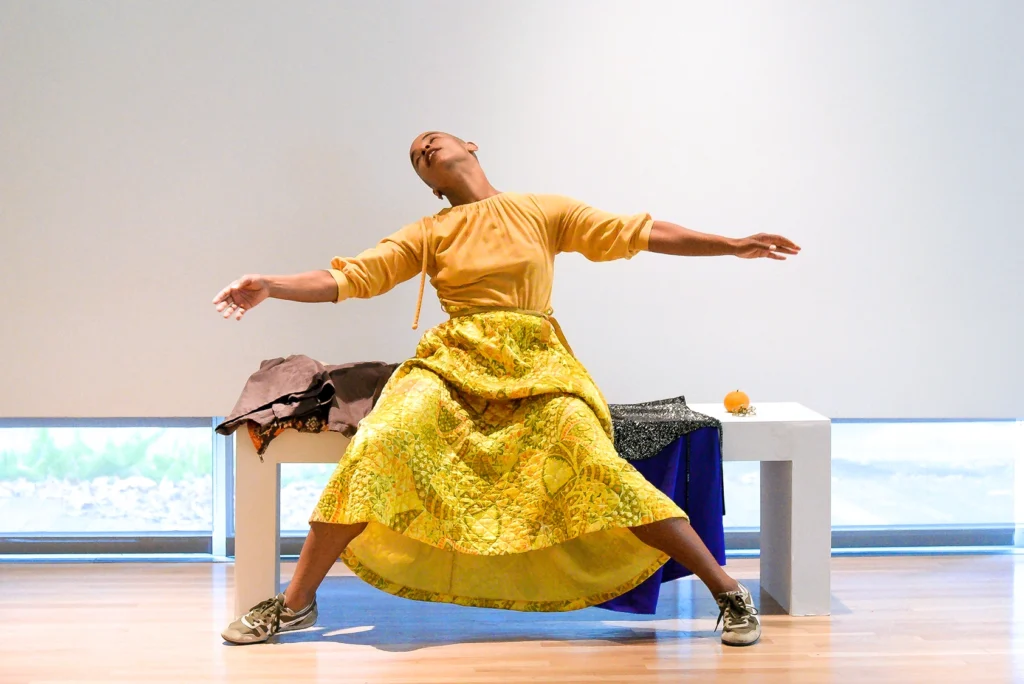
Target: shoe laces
pixel 734 611
pixel 267 613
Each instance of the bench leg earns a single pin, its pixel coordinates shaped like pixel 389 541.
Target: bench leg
pixel 257 526
pixel 796 525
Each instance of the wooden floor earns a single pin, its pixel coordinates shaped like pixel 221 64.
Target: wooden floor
pixel 895 619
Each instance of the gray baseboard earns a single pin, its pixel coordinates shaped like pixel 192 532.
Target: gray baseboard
pixel 894 537
pixel 995 536
pixel 105 544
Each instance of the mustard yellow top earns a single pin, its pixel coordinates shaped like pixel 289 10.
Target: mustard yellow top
pixel 498 252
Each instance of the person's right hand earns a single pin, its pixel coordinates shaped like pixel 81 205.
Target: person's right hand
pixel 241 295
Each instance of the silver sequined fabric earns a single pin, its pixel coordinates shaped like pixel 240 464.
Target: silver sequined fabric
pixel 643 430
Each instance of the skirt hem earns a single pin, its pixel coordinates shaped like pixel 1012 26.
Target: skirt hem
pixel 520 605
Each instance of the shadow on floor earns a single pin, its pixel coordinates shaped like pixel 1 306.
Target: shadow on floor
pixel 352 612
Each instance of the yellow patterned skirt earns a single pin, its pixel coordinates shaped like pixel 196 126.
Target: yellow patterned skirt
pixel 487 476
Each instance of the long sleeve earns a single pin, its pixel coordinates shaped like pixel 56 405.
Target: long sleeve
pixel 393 261
pixel 597 235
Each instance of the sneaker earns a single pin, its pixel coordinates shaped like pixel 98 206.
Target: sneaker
pixel 740 624
pixel 267 619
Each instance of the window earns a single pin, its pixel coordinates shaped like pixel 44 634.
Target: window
pixel 105 479
pixel 301 485
pixel 902 474
pixel 97 478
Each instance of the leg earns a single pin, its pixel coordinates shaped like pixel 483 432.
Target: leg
pixel 323 545
pixel 741 625
pixel 676 538
pixel 257 523
pixel 796 532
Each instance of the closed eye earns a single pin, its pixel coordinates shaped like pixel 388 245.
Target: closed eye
pixel 416 155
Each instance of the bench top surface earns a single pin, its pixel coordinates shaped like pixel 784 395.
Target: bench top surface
pixel 767 412
pixel 325 447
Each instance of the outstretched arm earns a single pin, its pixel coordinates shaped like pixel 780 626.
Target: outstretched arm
pixel 250 290
pixel 394 260
pixel 668 238
pixel 601 236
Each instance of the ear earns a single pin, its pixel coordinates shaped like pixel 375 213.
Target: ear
pixel 438 195
pixel 472 147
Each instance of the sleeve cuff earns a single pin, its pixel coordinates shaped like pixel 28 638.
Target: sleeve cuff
pixel 643 238
pixel 343 285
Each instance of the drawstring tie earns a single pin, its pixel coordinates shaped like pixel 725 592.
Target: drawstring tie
pixel 423 273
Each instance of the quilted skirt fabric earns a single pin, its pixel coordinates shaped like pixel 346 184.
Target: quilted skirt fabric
pixel 487 476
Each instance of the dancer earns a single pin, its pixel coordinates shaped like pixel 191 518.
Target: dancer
pixel 486 474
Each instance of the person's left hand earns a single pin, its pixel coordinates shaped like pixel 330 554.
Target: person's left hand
pixel 766 246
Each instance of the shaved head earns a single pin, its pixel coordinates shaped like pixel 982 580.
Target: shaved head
pixel 443 160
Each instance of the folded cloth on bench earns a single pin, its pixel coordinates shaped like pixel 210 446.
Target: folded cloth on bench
pixel 643 430
pixel 689 470
pixel 679 451
pixel 297 387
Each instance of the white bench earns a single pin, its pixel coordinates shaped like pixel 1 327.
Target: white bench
pixel 792 443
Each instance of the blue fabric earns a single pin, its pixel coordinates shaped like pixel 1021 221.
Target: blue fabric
pixel 689 471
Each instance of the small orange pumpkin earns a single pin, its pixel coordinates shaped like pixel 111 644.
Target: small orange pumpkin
pixel 737 402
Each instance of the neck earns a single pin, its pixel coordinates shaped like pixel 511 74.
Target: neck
pixel 472 187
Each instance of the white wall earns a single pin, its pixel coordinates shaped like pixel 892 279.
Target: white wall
pixel 151 152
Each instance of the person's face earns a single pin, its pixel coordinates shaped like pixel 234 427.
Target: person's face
pixel 435 156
